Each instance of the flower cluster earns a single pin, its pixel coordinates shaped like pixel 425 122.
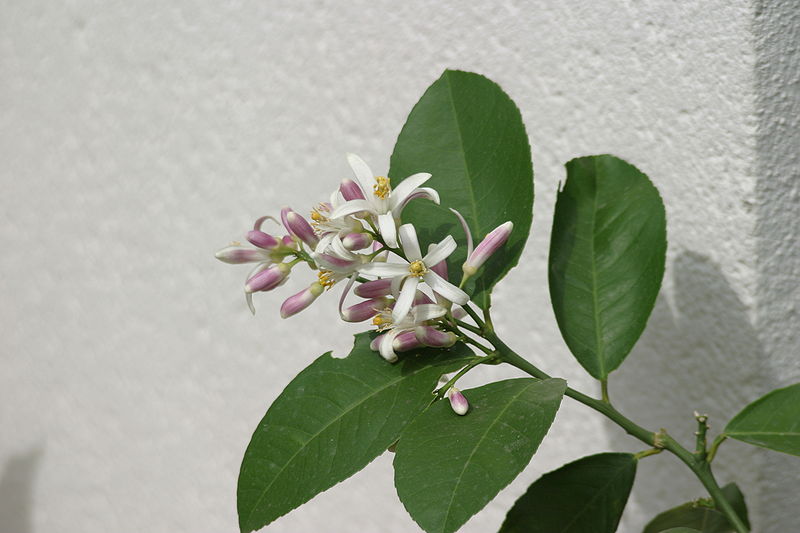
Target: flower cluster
pixel 358 236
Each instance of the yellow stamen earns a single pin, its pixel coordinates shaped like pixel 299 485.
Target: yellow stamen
pixel 382 188
pixel 378 321
pixel 417 269
pixel 326 278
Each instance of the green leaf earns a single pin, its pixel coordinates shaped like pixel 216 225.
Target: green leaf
pixel 607 255
pixel 701 515
pixel 586 496
pixel 681 530
pixel 335 417
pixel 469 135
pixel 772 421
pixel 448 467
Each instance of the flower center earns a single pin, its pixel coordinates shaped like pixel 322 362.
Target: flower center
pixel 318 218
pixel 382 188
pixel 383 320
pixel 326 278
pixel 417 268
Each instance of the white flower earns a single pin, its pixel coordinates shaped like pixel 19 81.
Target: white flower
pixel 418 315
pixel 381 201
pixel 407 276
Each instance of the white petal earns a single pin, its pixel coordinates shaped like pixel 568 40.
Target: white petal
pixel 384 270
pixel 362 171
pixel 445 288
pixel 388 229
pixel 397 282
pixel 340 250
pixel 406 298
pixel 408 238
pixel 440 252
pixel 324 242
pixel 406 187
pixel 385 348
pixel 425 312
pixel 352 207
pixel 465 227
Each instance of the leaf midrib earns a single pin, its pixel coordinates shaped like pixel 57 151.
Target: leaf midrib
pixel 350 408
pixel 595 303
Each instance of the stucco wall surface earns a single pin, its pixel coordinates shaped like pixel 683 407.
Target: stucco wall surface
pixel 136 138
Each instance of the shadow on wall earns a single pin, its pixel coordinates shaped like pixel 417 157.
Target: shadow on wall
pixel 701 353
pixel 16 491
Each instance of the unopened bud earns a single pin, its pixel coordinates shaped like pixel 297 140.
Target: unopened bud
pixel 301 300
pixel 356 241
pixel 458 401
pixel 261 239
pixel 363 310
pixel 299 227
pixel 405 341
pixel 351 190
pixel 374 289
pixel 268 279
pixel 236 255
pixel 435 338
pixel 489 245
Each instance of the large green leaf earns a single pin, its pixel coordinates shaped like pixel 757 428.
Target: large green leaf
pixel 701 515
pixel 586 496
pixel 335 417
pixel 448 467
pixel 772 421
pixel 469 135
pixel 607 255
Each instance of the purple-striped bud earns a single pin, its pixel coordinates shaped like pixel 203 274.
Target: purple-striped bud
pixel 351 190
pixel 489 245
pixel 421 298
pixel 299 227
pixel 261 239
pixel 458 312
pixel 374 289
pixel 364 310
pixel 356 241
pixel 236 255
pixel 287 241
pixel 458 401
pixel 301 300
pixel 268 279
pixel 435 338
pixel 332 262
pixel 405 341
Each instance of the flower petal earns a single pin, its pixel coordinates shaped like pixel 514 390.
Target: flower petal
pixel 408 238
pixel 388 229
pixel 406 187
pixel 445 288
pixel 425 312
pixel 439 252
pixel 352 207
pixel 404 301
pixel 384 270
pixel 465 227
pixel 362 171
pixel 385 347
pixel 338 248
pixel 422 192
pixel 324 242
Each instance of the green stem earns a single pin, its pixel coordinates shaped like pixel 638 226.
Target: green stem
pixel 660 440
pixel 468 327
pixel 604 390
pixel 712 450
pixel 452 381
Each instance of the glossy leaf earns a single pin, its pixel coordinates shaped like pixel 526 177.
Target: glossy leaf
pixel 448 467
pixel 772 421
pixel 607 253
pixel 701 515
pixel 586 496
pixel 335 417
pixel 469 135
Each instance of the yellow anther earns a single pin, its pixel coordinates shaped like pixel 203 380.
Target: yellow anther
pixel 326 278
pixel 315 216
pixel 378 321
pixel 417 268
pixel 382 188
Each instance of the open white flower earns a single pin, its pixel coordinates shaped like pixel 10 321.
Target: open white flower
pixel 419 315
pixel 381 201
pixel 407 276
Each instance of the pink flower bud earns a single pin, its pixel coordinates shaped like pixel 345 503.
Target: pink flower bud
pixel 374 289
pixel 299 227
pixel 261 239
pixel 405 341
pixel 268 279
pixel 287 241
pixel 435 338
pixel 458 312
pixel 458 401
pixel 364 310
pixel 301 300
pixel 489 245
pixel 236 255
pixel 421 298
pixel 356 241
pixel 351 190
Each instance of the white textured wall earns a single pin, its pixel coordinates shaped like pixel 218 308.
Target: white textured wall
pixel 136 138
